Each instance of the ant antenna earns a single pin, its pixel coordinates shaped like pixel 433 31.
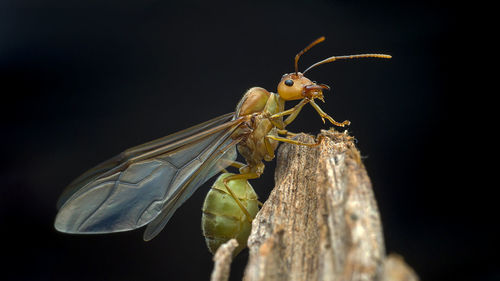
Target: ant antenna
pixel 332 59
pixel 314 43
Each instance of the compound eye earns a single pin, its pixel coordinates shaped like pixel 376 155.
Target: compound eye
pixel 289 82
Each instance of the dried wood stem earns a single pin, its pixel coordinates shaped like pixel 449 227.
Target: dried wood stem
pixel 222 261
pixel 321 221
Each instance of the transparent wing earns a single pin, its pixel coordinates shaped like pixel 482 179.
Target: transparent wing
pixel 131 189
pixel 225 154
pixel 171 141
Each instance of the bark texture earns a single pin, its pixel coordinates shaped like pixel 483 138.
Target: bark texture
pixel 321 221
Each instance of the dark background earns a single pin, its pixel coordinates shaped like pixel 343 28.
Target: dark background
pixel 83 80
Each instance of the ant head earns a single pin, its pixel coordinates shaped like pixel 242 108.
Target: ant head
pixel 295 86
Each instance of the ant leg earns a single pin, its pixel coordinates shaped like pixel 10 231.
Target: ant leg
pixel 243 177
pixel 276 138
pixel 287 133
pixel 234 164
pixel 237 165
pixel 269 150
pixel 292 112
pixel 324 115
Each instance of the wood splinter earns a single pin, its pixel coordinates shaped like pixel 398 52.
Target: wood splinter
pixel 222 260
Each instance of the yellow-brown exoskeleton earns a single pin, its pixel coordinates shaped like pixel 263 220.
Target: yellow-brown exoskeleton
pixel 144 185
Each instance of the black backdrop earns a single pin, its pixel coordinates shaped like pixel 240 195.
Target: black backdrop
pixel 84 80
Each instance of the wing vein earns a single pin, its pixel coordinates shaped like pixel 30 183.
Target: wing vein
pixel 102 203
